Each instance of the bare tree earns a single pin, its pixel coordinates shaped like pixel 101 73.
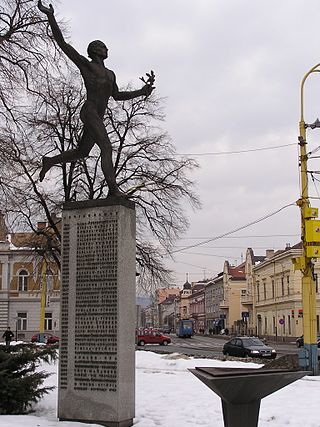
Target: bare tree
pixel 156 178
pixel 21 35
pixel 39 115
pixel 147 169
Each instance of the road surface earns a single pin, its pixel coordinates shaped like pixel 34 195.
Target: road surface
pixel 209 346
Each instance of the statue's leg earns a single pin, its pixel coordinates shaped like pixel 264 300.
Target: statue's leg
pixel 85 144
pixel 95 125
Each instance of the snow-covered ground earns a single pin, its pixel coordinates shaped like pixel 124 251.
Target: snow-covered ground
pixel 168 395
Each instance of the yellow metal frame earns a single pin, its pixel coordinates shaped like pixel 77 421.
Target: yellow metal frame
pixel 308 231
pixel 312 229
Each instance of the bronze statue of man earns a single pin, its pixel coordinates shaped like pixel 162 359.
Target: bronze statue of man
pixel 100 84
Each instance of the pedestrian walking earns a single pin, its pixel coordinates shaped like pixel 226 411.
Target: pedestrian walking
pixel 7 335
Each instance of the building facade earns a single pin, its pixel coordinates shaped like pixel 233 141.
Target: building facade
pixel 21 282
pixel 197 307
pixel 167 312
pixel 277 296
pixel 182 302
pixel 215 318
pixel 248 297
pixel 273 294
pixel 234 285
pixel 22 275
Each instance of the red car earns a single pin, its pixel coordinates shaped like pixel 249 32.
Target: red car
pixel 48 338
pixel 151 336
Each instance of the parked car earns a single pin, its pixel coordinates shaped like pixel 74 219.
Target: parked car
pixel 48 338
pixel 248 347
pixel 300 341
pixel 167 330
pixel 150 336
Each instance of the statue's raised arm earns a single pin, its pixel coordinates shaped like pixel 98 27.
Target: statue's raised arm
pixel 75 57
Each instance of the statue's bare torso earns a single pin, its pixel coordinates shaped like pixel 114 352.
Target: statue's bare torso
pixel 99 83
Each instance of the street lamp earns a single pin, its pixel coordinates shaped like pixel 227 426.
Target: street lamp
pixel 310 236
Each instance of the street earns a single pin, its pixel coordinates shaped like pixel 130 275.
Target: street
pixel 209 346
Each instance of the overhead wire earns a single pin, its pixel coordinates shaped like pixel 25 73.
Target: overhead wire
pixel 250 236
pixel 218 153
pixel 232 231
pixel 233 247
pixel 314 183
pixel 212 255
pixel 313 151
pixel 198 266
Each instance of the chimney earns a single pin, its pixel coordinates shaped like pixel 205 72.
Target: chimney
pixel 269 253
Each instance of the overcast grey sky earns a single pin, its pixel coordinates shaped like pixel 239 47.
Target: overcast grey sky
pixel 231 72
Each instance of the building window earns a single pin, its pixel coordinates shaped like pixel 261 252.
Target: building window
pixel 264 290
pixel 288 284
pixel 272 287
pixel 22 321
pixel 282 286
pixel 265 326
pixel 289 324
pixel 48 321
pixel 274 325
pixel 49 278
pixel 258 291
pixel 23 277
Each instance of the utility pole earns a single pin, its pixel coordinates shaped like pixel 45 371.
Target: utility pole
pixel 43 298
pixel 310 236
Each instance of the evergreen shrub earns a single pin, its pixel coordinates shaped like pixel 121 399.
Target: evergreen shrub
pixel 21 384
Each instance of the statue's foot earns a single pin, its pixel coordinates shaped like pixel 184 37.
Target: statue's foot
pixel 45 167
pixel 116 193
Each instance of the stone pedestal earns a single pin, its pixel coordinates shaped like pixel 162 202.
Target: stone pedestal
pixel 97 351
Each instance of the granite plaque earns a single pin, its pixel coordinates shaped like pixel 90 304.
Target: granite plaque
pixel 96 378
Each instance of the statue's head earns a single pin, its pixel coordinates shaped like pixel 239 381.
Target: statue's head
pixel 97 48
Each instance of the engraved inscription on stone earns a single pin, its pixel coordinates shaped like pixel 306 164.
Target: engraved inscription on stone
pixel 64 308
pixel 96 305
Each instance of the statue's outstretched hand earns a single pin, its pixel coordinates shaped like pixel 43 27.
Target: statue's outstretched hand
pixel 149 82
pixel 147 90
pixel 47 10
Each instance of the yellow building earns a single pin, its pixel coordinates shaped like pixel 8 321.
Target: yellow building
pixel 247 297
pixel 183 303
pixel 234 285
pixel 273 294
pixel 21 286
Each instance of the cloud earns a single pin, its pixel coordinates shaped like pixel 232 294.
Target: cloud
pixel 231 72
